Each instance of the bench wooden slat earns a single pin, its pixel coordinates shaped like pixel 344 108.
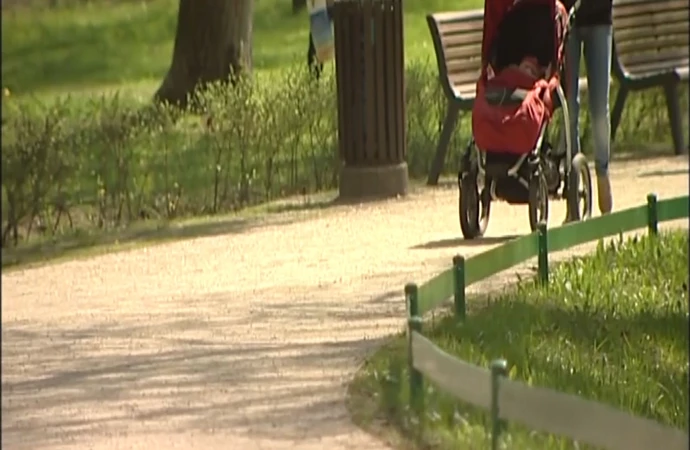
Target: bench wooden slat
pixel 462 40
pixel 460 66
pixel 463 79
pixel 634 9
pixel 652 69
pixel 653 33
pixel 653 45
pixel 672 28
pixel 466 90
pixel 458 16
pixel 669 58
pixel 649 21
pixel 463 53
pixel 662 63
pixel 451 28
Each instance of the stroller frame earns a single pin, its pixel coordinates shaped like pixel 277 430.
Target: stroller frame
pixel 537 152
pixel 538 172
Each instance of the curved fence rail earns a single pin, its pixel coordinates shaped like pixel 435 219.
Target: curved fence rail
pixel 539 408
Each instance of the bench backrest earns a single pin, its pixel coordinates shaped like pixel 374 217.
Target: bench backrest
pixel 650 36
pixel 457 38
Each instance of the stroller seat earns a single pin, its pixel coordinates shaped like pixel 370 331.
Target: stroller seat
pixel 498 95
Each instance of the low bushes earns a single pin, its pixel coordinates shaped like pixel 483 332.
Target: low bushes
pixel 610 327
pixel 107 161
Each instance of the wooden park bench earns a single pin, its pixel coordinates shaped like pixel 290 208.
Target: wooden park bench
pixel 650 49
pixel 457 38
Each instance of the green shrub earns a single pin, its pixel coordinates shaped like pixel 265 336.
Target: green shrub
pixel 112 159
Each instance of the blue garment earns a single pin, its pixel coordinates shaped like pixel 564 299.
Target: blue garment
pixel 595 40
pixel 315 67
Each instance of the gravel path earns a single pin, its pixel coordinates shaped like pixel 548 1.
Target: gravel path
pixel 243 340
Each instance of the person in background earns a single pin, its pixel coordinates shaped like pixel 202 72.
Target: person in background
pixel 315 67
pixel 592 33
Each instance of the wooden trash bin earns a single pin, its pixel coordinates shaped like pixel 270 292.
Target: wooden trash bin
pixel 370 75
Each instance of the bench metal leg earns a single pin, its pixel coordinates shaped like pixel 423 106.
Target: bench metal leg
pixel 675 117
pixel 618 110
pixel 443 142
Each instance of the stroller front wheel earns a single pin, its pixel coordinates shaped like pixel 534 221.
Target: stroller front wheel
pixel 473 208
pixel 538 200
pixel 579 188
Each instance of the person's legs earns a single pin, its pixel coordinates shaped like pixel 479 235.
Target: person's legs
pixel 597 51
pixel 573 50
pixel 313 64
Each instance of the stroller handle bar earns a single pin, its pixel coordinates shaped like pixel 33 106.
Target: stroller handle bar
pixel 573 12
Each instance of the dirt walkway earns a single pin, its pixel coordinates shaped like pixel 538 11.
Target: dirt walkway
pixel 238 341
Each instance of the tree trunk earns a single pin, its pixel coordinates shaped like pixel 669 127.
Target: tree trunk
pixel 298 5
pixel 213 43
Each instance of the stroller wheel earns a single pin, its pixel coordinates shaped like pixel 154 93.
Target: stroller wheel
pixel 538 200
pixel 473 209
pixel 579 190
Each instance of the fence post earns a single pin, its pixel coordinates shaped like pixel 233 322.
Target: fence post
pixel 499 369
pixel 543 253
pixel 412 300
pixel 459 279
pixel 652 215
pixel 414 323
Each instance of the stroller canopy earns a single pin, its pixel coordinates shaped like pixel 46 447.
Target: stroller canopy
pixel 524 16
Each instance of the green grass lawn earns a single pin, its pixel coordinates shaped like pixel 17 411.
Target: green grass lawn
pixel 611 327
pixel 79 75
pixel 128 45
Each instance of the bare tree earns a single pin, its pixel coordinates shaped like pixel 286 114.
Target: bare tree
pixel 213 42
pixel 298 5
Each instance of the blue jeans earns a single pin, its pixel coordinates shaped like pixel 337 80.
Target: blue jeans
pixel 596 42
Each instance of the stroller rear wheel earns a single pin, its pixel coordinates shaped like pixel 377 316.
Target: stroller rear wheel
pixel 473 208
pixel 538 200
pixel 579 189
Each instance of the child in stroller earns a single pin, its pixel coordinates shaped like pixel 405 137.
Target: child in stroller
pixel 517 94
pixel 523 74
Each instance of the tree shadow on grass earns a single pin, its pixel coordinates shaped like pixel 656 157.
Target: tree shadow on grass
pixel 578 324
pixel 186 372
pixel 540 342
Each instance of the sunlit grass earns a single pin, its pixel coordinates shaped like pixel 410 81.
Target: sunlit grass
pixel 104 44
pixel 611 327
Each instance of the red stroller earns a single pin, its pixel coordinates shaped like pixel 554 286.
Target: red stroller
pixel 509 157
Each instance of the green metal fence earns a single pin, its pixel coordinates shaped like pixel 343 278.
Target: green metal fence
pixel 538 408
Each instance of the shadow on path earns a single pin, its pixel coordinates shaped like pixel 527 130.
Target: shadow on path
pixel 661 173
pixel 188 371
pixel 156 232
pixel 461 242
